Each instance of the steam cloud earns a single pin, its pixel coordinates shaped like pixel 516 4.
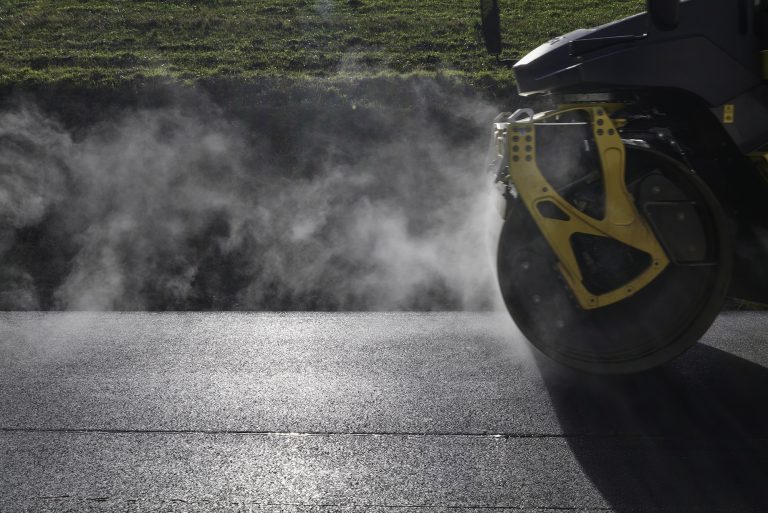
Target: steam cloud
pixel 186 207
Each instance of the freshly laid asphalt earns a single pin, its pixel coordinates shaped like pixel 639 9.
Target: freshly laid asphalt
pixel 356 412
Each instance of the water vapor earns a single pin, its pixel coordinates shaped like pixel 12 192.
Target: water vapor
pixel 186 206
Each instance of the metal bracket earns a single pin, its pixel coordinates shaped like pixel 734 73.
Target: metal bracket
pixel 622 220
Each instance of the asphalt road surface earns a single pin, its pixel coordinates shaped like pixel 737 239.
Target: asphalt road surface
pixel 367 412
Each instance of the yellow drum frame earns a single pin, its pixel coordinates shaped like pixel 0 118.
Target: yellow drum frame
pixel 622 220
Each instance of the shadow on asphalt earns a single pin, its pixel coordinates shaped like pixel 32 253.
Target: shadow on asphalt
pixel 691 436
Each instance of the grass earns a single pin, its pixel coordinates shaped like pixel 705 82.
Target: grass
pixel 100 43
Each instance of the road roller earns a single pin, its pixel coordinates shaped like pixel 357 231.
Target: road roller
pixel 633 181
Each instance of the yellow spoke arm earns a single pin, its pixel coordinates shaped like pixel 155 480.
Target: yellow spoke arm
pixel 622 221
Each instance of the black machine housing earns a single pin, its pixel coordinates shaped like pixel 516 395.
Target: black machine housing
pixel 692 84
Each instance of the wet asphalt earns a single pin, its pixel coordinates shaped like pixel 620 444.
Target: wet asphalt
pixel 367 412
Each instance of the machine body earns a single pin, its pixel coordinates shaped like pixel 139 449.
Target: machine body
pixel 634 190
